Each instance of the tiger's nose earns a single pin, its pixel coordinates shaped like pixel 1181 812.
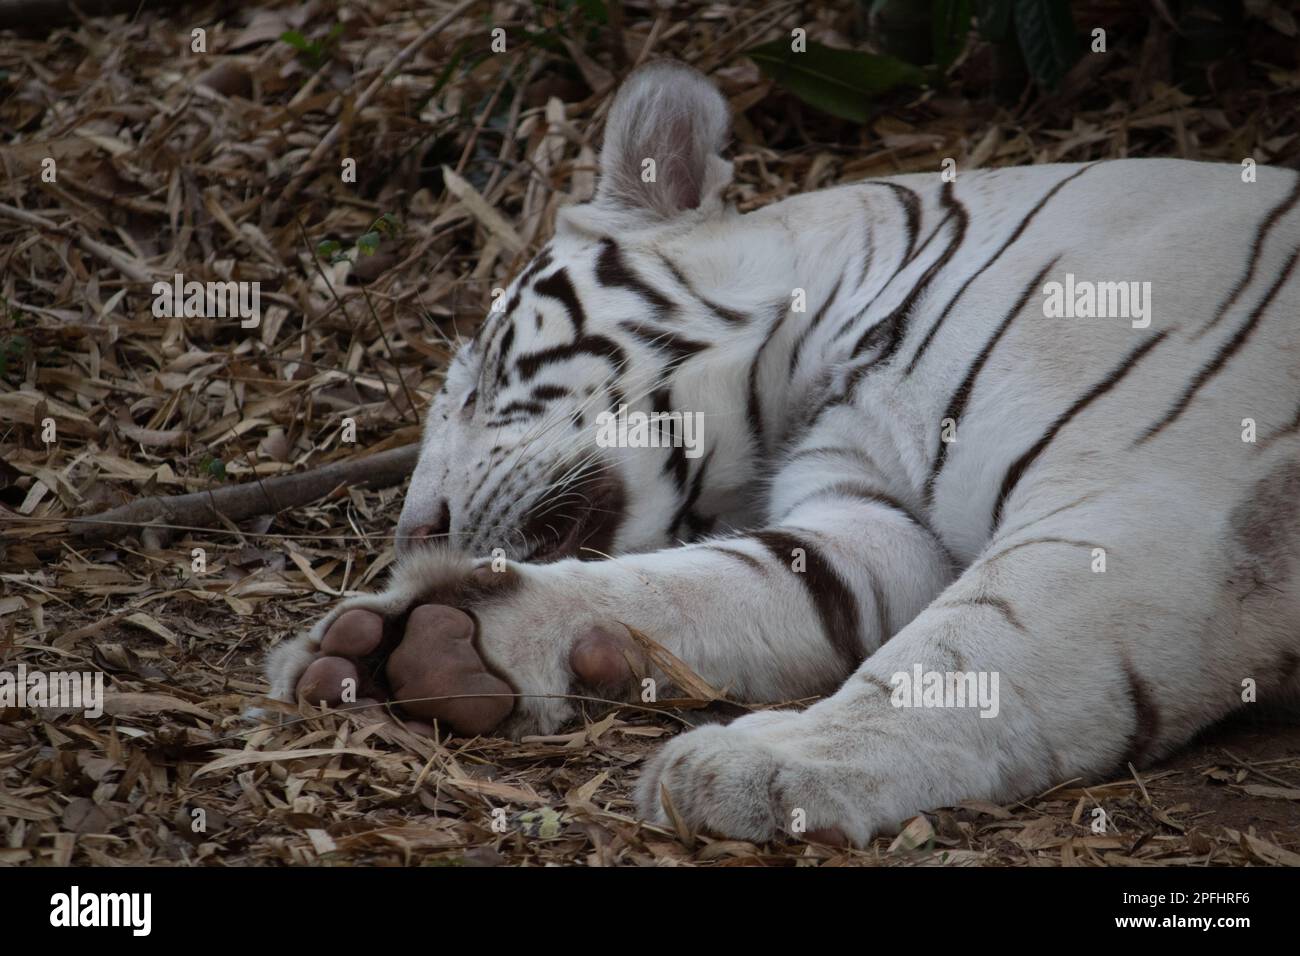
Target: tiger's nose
pixel 439 528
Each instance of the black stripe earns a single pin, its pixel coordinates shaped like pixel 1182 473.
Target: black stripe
pixel 893 328
pixel 878 330
pixel 678 346
pixel 882 610
pixel 503 350
pixel 1226 352
pixel 747 559
pixel 1001 605
pixel 1017 469
pixel 507 420
pixel 868 255
pixel 517 407
pixel 540 262
pixel 1276 213
pixel 686 514
pixel 1081 500
pixel 533 362
pixel 836 606
pixel 557 286
pixel 727 315
pixel 912 208
pixel 613 271
pixel 537 265
pixel 1036 541
pixel 547 393
pixel 853 489
pixel 877 682
pixel 754 407
pixel 1019 230
pixel 911 204
pixel 487 340
pixel 1146 716
pixel 960 398
pixel 912 211
pixel 494 322
pixel 811 327
pixel 661 401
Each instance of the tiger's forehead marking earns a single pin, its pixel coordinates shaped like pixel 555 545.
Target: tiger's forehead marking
pixel 498 318
pixel 498 331
pixel 501 333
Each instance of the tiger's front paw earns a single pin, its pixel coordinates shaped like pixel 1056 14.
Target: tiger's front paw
pixel 472 648
pixel 434 673
pixel 758 779
pixel 413 646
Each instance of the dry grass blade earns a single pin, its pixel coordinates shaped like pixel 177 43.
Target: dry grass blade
pixel 681 676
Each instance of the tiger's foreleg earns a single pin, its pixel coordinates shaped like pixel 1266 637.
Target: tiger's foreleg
pixel 778 614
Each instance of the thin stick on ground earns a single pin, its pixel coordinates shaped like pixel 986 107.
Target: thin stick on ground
pixel 247 500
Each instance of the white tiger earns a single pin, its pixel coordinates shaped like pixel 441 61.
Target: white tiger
pixel 920 468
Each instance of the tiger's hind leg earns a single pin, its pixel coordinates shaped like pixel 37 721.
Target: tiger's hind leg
pixel 1067 670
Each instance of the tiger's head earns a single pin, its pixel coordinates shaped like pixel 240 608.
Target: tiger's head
pixel 512 456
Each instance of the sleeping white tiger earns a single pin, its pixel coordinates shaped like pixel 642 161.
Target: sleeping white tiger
pixel 923 469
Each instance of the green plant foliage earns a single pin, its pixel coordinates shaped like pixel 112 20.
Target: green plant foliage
pixel 839 82
pixel 1045 30
pixel 313 52
pixel 950 24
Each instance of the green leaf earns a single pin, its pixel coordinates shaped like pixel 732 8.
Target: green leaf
pixel 313 51
pixel 214 467
pixel 995 19
pixel 386 224
pixel 951 21
pixel 328 248
pixel 368 244
pixel 1047 39
pixel 297 41
pixel 839 82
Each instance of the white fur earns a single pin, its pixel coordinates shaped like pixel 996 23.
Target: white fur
pixel 1192 601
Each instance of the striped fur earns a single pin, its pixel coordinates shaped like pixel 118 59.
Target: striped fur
pixel 830 537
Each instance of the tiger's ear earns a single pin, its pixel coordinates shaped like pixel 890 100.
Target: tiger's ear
pixel 663 137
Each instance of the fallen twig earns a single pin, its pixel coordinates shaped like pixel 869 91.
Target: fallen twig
pixel 238 502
